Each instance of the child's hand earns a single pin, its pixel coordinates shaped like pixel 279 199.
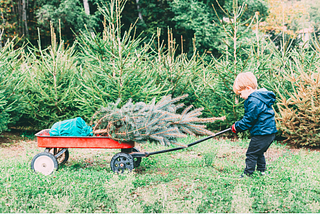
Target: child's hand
pixel 233 128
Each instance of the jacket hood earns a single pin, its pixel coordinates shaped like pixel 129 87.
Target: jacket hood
pixel 268 97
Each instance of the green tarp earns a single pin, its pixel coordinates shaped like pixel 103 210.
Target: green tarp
pixel 72 127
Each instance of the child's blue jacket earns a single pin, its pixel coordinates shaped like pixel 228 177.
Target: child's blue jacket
pixel 258 114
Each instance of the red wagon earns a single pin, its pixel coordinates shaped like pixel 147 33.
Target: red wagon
pixel 56 151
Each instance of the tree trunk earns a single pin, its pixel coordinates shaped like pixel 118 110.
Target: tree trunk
pixel 139 12
pixel 86 7
pixel 24 17
pixel 2 30
pixel 21 28
pixel 87 10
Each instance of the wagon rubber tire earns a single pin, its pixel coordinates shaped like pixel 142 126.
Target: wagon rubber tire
pixel 136 160
pixel 121 162
pixel 44 163
pixel 63 158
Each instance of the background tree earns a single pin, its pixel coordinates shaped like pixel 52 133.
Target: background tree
pixel 198 19
pixel 71 16
pixel 14 19
pixel 186 19
pixel 51 84
pixel 12 79
pixel 285 20
pixel 314 14
pixel 115 64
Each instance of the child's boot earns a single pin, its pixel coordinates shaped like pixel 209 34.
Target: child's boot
pixel 243 175
pixel 263 173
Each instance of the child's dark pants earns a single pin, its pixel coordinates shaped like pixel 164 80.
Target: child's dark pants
pixel 255 154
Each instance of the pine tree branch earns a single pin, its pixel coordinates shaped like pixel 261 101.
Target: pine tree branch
pixel 151 122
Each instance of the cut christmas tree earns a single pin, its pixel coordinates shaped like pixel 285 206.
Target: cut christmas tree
pixel 154 122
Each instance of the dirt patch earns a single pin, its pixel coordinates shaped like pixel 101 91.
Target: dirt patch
pixel 14 136
pixel 232 151
pixel 273 154
pixel 191 154
pixel 9 137
pixel 15 142
pixel 16 149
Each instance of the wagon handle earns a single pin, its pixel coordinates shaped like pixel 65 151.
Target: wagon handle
pixel 146 154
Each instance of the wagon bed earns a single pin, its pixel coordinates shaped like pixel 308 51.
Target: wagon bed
pixel 46 141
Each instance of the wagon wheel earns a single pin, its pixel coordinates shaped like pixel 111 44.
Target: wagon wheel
pixel 44 163
pixel 63 158
pixel 136 160
pixel 121 162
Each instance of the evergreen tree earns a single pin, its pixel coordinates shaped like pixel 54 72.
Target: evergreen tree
pixel 299 100
pixel 69 16
pixel 154 122
pixel 4 115
pixel 51 84
pixel 115 65
pixel 201 21
pixel 12 78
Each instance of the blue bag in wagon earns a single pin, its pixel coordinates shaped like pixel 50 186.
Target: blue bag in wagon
pixel 71 127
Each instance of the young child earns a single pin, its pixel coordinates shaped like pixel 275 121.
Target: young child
pixel 258 119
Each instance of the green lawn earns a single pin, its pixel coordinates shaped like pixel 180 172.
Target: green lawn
pixel 203 178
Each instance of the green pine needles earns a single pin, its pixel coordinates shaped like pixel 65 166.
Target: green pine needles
pixel 12 80
pixel 154 122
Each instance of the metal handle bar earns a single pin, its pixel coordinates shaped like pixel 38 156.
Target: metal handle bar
pixel 146 154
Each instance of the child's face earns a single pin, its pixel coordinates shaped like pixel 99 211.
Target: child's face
pixel 244 94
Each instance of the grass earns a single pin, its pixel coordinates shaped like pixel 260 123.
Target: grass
pixel 203 178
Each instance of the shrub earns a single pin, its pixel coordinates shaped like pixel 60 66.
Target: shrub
pixel 51 85
pixel 4 115
pixel 299 107
pixel 11 84
pixel 114 65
